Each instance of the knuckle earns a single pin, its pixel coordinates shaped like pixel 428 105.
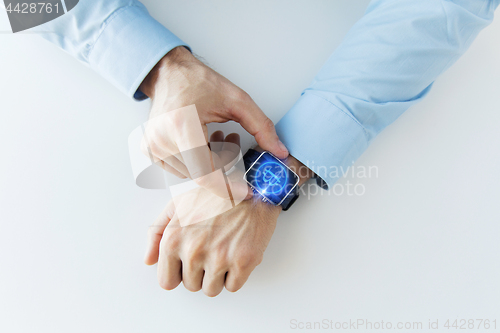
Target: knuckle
pixel 195 253
pixel 177 119
pixel 219 267
pixel 241 95
pixel 220 254
pixel 194 256
pixel 268 124
pixel 257 260
pixel 170 244
pixel 237 99
pixel 247 261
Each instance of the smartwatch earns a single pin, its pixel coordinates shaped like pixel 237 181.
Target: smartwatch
pixel 271 179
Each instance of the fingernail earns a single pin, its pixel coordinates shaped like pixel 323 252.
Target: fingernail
pixel 282 147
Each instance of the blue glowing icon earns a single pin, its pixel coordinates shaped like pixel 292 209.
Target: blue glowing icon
pixel 271 177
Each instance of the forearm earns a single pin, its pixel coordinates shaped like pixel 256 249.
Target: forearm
pixel 386 63
pixel 117 38
pixel 390 58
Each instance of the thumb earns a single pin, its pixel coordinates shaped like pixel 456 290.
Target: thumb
pixel 255 122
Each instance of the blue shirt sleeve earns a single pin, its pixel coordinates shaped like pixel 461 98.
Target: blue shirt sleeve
pixel 386 63
pixel 117 38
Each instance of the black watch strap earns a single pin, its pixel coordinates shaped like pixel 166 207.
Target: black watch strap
pixel 251 156
pixel 290 199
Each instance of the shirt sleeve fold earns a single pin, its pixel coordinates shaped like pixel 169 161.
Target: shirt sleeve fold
pixel 117 38
pixel 387 62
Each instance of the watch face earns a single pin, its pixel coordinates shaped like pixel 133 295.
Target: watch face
pixel 271 178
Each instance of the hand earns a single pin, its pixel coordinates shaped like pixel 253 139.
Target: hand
pixel 221 251
pixel 186 96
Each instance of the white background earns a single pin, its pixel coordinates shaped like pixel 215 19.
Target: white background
pixel 422 243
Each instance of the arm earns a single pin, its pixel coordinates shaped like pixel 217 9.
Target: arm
pixel 219 251
pixel 117 38
pixel 122 42
pixel 386 63
pixel 186 96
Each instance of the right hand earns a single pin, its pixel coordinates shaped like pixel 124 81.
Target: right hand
pixel 176 134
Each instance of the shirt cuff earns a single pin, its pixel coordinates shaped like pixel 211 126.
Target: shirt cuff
pixel 323 137
pixel 129 46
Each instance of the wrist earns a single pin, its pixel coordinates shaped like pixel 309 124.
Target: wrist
pixel 299 168
pixel 174 60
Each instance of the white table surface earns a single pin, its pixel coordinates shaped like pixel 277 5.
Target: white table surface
pixel 421 243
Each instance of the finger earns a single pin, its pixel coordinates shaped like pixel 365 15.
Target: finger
pixel 155 234
pixel 155 150
pixel 235 279
pixel 225 153
pixel 215 142
pixel 161 152
pixel 230 151
pixel 160 155
pixel 233 138
pixel 198 161
pixel 196 155
pixel 213 282
pixel 238 186
pixel 217 136
pixel 192 143
pixel 175 163
pixel 192 276
pixel 167 167
pixel 169 271
pixel 255 122
pixel 236 179
pixel 202 171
